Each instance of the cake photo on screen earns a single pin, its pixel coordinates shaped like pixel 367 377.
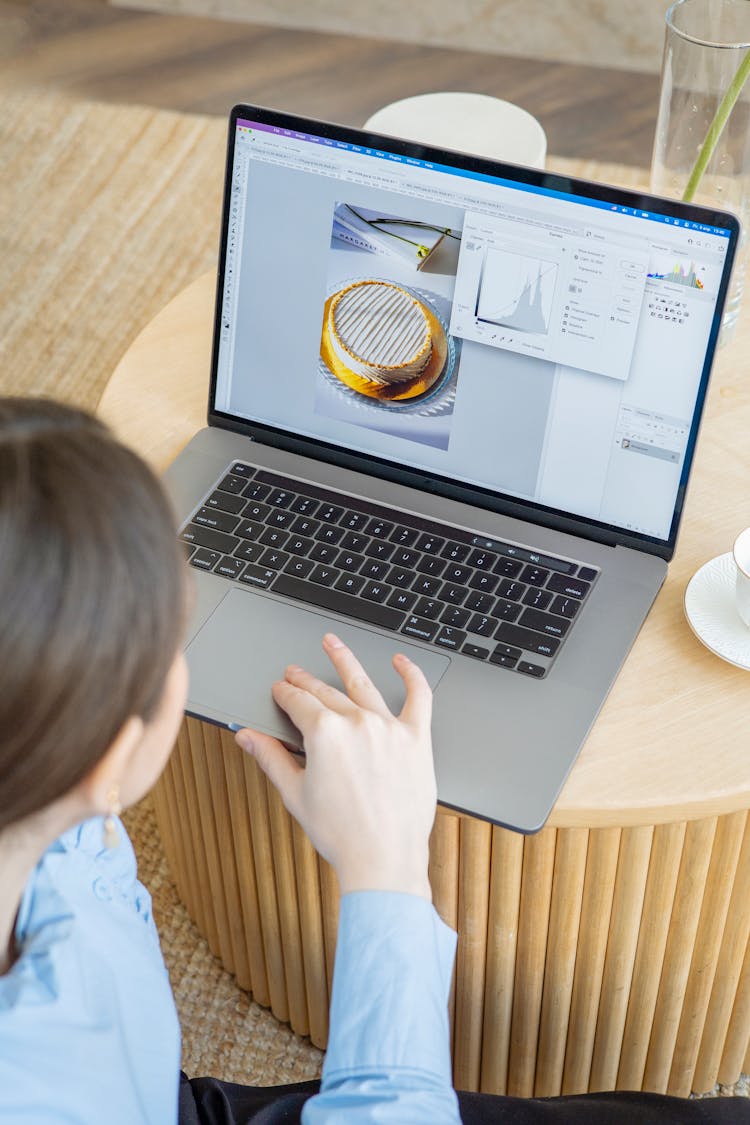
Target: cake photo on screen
pixel 380 332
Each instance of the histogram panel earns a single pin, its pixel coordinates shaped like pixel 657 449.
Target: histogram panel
pixel 517 291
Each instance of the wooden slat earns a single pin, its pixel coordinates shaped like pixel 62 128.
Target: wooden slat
pixel 311 927
pixel 443 872
pixel 726 984
pixel 243 849
pixel 719 883
pixel 625 921
pixel 502 943
pixel 664 866
pixel 263 851
pixel 736 1055
pixel 288 907
pixel 329 892
pixel 696 854
pixel 562 945
pixel 598 887
pixel 533 921
pixel 471 954
pixel 187 799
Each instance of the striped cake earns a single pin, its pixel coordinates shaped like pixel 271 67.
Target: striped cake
pixel 380 332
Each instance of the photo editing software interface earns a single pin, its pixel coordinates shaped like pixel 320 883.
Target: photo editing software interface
pixel 542 345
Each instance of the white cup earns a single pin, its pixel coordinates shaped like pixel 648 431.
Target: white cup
pixel 472 123
pixel 741 552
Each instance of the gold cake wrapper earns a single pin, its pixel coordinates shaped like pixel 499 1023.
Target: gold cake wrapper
pixel 394 392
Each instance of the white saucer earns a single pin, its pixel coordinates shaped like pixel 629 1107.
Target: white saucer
pixel 712 611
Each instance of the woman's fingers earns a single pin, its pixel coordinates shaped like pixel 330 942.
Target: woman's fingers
pixel 359 687
pixel 275 761
pixel 417 710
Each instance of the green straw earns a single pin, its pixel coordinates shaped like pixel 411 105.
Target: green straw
pixel 717 127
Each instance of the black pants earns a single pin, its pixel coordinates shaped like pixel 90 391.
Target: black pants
pixel 206 1101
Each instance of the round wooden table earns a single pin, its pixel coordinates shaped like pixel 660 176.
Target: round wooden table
pixel 608 951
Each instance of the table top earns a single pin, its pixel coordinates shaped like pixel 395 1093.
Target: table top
pixel 671 741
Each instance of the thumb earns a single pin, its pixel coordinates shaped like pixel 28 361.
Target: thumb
pixel 275 761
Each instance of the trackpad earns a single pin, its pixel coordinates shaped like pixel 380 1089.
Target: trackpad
pixel 249 640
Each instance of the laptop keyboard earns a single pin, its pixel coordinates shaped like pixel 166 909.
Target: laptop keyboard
pixel 498 602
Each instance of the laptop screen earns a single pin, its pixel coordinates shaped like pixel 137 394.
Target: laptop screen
pixel 523 335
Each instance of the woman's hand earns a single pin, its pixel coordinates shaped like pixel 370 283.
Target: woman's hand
pixel 367 795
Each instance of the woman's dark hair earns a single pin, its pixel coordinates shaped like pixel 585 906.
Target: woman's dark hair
pixel 91 598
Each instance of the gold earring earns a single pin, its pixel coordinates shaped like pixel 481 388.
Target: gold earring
pixel 111 835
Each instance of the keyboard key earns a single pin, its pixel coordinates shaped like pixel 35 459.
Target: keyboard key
pixel 482 560
pixel 455 552
pixel 227 501
pixel 256 491
pixel 280 498
pixel 249 529
pixel 350 583
pixel 513 591
pixel 476 651
pixel 420 627
pixel 544 622
pixel 376 591
pixel 324 575
pixel 566 607
pixel 329 513
pixel 205 559
pixel 256 510
pixel 303 525
pixel 507 650
pixel 274 538
pixel 535 575
pixel 229 567
pixel 378 528
pixel 449 592
pixel 508 568
pixel 428 564
pixel 249 552
pixel 426 585
pixel 458 573
pixel 455 616
pixel 324 552
pixel 484 582
pixel 337 601
pixel 280 518
pixel 242 470
pixel 450 638
pixel 303 506
pixel 404 556
pixel 430 544
pixel 478 602
pixel 530 669
pixel 349 560
pixel 374 569
pixel 483 626
pixel 508 611
pixel 430 608
pixel 214 517
pixel 300 568
pixel 211 539
pixel 403 536
pixel 258 576
pixel 232 483
pixel 571 587
pixel 502 660
pixel 400 577
pixel 378 549
pixel 528 639
pixel 299 545
pixel 587 573
pixel 353 541
pixel 402 599
pixel 329 534
pixel 354 521
pixel 274 560
pixel 538 599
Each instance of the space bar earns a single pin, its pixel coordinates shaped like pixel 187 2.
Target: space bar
pixel 326 598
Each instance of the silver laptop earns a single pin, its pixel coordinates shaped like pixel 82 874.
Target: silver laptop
pixel 453 408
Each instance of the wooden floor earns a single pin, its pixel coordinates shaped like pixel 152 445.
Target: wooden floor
pixel 202 65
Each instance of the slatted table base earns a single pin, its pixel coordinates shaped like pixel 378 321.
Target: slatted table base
pixel 588 959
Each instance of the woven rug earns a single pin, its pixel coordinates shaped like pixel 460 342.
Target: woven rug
pixel 106 213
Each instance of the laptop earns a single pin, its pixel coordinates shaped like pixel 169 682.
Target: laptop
pixel 453 408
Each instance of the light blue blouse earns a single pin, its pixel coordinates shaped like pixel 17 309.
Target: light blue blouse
pixel 89 1031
